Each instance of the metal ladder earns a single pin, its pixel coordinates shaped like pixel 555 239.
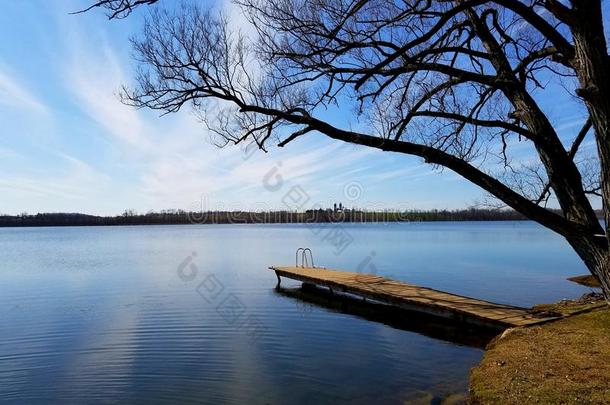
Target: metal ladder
pixel 304 259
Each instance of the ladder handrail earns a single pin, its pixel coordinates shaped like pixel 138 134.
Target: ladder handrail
pixel 304 259
pixel 296 257
pixel 310 256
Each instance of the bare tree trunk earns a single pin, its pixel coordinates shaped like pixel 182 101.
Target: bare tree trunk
pixel 601 269
pixel 603 273
pixel 591 63
pixel 597 259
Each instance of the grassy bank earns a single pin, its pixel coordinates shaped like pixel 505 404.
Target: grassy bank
pixel 563 362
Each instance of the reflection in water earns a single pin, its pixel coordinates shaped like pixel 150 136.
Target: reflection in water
pixel 424 324
pixel 117 314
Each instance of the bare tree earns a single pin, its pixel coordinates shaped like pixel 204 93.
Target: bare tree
pixel 454 82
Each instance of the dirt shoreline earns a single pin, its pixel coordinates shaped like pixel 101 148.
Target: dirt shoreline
pixel 563 362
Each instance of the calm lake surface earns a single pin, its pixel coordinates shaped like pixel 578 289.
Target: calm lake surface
pixel 190 313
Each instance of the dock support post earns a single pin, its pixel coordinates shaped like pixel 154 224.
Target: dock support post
pixel 279 280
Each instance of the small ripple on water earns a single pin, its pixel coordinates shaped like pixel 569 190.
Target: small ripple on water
pixel 130 330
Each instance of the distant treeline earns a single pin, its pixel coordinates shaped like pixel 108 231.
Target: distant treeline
pixel 175 217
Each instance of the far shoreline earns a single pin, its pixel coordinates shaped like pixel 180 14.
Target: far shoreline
pixel 328 216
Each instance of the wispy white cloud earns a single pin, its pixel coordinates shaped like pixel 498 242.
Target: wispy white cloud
pixel 72 182
pixel 15 94
pixel 9 154
pixel 94 78
pixel 407 173
pixel 145 162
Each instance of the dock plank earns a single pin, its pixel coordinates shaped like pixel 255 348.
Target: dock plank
pixel 414 297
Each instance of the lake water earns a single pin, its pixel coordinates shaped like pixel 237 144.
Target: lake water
pixel 190 313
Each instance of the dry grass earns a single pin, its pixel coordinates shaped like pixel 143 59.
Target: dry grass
pixel 564 362
pixel 585 303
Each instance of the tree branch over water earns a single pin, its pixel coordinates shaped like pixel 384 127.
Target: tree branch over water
pixel 452 82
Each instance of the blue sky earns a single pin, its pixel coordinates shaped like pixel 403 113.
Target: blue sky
pixel 68 144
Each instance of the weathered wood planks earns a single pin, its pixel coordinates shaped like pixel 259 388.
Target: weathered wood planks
pixel 413 297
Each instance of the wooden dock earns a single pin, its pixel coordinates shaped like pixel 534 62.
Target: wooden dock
pixel 414 298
